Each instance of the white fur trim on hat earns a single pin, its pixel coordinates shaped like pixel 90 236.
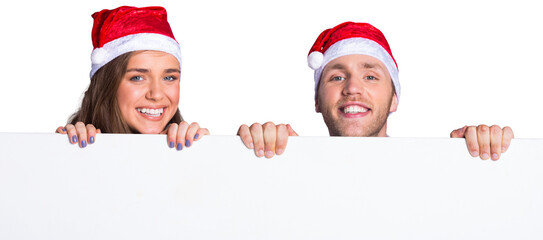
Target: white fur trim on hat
pixel 135 42
pixel 362 46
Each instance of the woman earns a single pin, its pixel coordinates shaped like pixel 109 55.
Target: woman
pixel 136 67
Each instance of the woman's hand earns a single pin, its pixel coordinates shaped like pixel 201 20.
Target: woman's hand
pixel 79 133
pixel 184 134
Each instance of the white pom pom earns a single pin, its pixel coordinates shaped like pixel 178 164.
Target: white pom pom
pixel 98 56
pixel 314 60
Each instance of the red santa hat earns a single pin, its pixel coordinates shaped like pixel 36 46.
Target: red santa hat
pixel 352 38
pixel 126 29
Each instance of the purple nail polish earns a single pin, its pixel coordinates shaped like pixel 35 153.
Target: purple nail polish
pixel 196 136
pixel 91 140
pixel 74 138
pixel 64 129
pixel 83 143
pixel 179 146
pixel 187 143
pixel 171 144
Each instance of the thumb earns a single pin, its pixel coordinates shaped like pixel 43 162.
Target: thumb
pixel 458 133
pixel 291 131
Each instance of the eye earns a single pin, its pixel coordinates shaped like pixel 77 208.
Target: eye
pixel 370 77
pixel 136 78
pixel 170 78
pixel 337 78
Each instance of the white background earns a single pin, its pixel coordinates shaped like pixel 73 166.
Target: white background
pixel 461 62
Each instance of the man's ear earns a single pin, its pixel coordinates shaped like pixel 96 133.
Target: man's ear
pixel 317 108
pixel 394 103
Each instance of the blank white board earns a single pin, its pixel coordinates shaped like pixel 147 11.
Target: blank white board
pixel 136 187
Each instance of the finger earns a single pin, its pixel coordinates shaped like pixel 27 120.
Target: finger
pixel 245 134
pixel 191 131
pixel 72 133
pixel 98 131
pixel 61 130
pixel 172 134
pixel 270 136
pixel 201 132
pixel 458 133
pixel 483 137
pixel 258 141
pixel 91 131
pixel 181 133
pixel 282 139
pixel 495 142
pixel 291 131
pixel 471 141
pixel 507 136
pixel 81 134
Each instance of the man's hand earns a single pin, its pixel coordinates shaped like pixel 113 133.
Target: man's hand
pixel 485 142
pixel 267 139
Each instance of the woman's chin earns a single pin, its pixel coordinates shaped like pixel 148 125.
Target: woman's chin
pixel 150 130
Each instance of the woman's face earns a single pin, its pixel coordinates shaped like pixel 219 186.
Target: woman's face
pixel 148 95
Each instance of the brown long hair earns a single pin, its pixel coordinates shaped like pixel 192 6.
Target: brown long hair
pixel 99 106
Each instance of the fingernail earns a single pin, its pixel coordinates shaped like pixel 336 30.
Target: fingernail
pixel 64 129
pixel 260 153
pixel 74 138
pixel 484 156
pixel 474 154
pixel 179 146
pixel 503 149
pixel 83 143
pixel 187 143
pixel 495 156
pixel 251 145
pixel 269 154
pixel 172 144
pixel 279 151
pixel 196 136
pixel 91 140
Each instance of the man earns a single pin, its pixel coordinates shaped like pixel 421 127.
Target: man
pixel 356 88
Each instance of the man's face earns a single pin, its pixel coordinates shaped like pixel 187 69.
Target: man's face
pixel 355 96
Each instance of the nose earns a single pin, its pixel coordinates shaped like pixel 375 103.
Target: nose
pixel 155 91
pixel 352 86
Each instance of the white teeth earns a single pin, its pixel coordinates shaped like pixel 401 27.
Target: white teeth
pixel 354 109
pixel 153 112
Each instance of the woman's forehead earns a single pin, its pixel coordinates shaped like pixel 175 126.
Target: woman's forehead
pixel 152 59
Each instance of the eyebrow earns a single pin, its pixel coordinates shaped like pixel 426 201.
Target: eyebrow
pixel 172 70
pixel 367 65
pixel 337 66
pixel 141 70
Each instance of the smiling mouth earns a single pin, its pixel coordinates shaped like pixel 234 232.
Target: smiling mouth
pixel 353 109
pixel 152 112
